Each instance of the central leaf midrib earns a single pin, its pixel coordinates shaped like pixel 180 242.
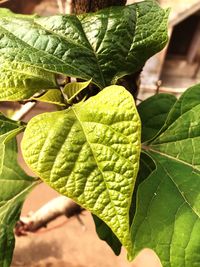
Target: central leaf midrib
pixel 95 55
pixel 173 141
pixel 148 148
pixel 180 192
pixel 184 197
pixel 33 74
pixel 61 36
pixel 76 115
pixel 38 50
pixel 92 50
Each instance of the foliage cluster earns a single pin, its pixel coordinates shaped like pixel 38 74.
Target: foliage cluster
pixel 136 169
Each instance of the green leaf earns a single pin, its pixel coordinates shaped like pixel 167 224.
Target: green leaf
pixel 21 81
pixel 71 90
pixel 52 96
pixel 187 101
pixel 105 233
pixel 102 46
pixel 168 213
pixel 14 186
pixel 167 217
pixel 8 129
pixel 147 166
pixel 153 113
pixel 90 153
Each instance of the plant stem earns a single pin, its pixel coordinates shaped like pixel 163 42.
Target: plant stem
pixel 19 114
pixel 50 211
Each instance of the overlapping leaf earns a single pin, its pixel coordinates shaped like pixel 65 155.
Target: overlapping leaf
pixel 72 90
pixel 105 233
pixel 153 113
pixel 52 96
pixel 90 153
pixel 104 46
pixel 14 185
pixel 8 129
pixel 168 207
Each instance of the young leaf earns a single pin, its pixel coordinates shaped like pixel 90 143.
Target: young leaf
pixel 71 90
pixel 14 186
pixel 52 96
pixel 153 113
pixel 90 153
pixel 104 46
pixel 167 218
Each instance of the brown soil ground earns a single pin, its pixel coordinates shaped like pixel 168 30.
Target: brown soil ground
pixel 67 243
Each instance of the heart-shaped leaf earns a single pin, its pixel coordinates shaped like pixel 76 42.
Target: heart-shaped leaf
pixel 167 217
pixel 90 153
pixel 104 46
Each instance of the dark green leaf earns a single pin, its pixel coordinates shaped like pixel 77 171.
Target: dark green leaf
pixel 147 166
pixel 167 216
pixel 105 233
pixel 187 101
pixel 153 113
pixel 104 46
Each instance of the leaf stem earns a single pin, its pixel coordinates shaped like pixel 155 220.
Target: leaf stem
pixel 18 115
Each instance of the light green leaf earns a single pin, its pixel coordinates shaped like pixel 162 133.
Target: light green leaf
pixel 90 153
pixel 52 96
pixel 167 216
pixel 153 113
pixel 71 90
pixel 104 46
pixel 14 186
pixel 8 129
pixel 20 81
